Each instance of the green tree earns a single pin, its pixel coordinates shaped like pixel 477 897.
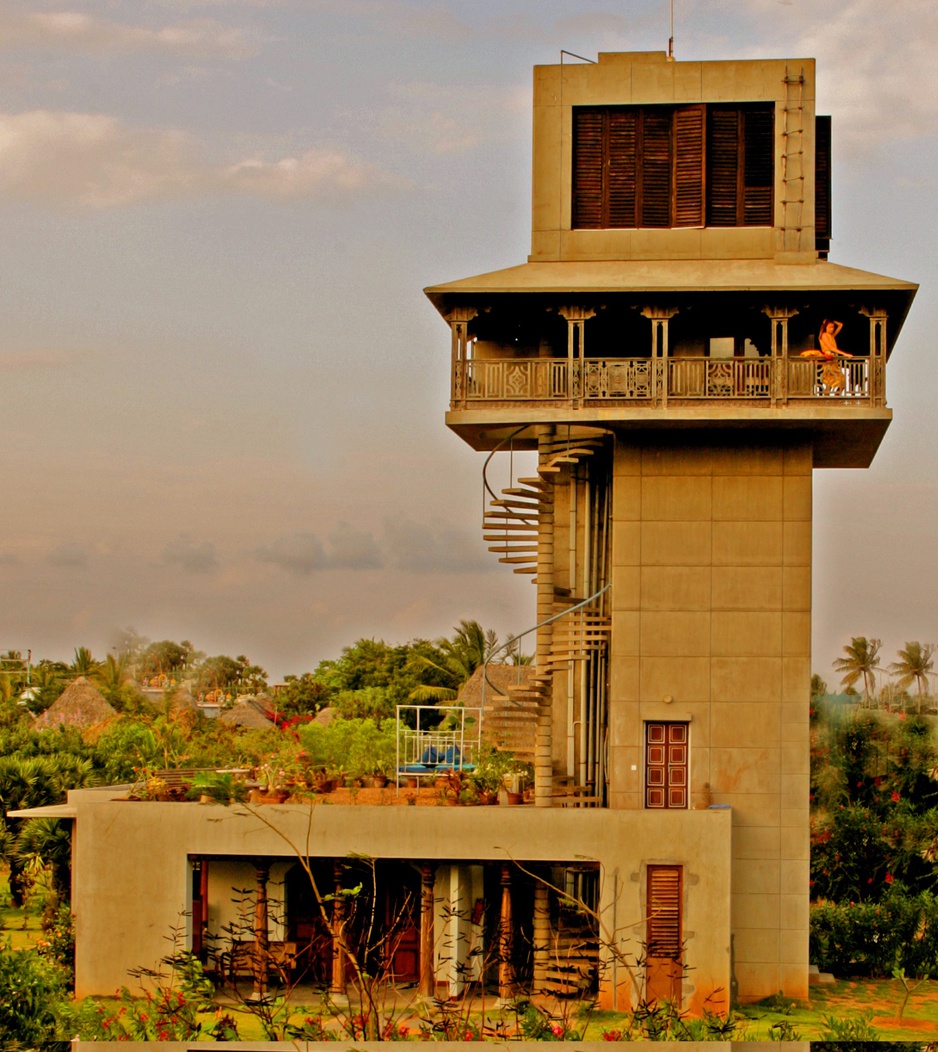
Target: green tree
pixel 860 662
pixel 915 665
pixel 469 647
pixel 84 664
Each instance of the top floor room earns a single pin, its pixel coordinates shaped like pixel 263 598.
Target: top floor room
pixel 640 157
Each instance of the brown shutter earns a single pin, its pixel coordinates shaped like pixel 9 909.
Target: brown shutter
pixel 664 935
pixel 587 168
pixel 822 183
pixel 623 166
pixel 689 166
pixel 655 153
pixel 758 165
pixel 723 166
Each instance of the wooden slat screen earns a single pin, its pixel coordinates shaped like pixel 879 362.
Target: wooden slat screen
pixel 664 935
pixel 689 169
pixel 758 165
pixel 622 171
pixel 588 149
pixel 673 166
pixel 723 149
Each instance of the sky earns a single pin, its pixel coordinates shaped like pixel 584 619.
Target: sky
pixel 223 390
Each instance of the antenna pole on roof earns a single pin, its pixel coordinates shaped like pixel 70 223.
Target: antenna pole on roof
pixel 671 37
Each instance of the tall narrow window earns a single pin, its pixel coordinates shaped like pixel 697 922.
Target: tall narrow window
pixel 741 165
pixel 664 934
pixel 666 765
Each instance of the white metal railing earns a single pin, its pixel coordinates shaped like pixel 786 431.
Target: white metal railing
pixel 650 380
pixel 444 738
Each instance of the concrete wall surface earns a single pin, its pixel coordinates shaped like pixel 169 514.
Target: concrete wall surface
pixel 131 875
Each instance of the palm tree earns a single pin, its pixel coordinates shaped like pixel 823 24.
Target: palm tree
pixel 860 662
pixel 460 656
pixel 84 664
pixel 914 666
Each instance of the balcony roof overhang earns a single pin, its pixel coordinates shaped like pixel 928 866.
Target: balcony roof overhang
pixel 677 277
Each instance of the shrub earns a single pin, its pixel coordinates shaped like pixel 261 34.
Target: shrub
pixel 33 998
pixel 874 938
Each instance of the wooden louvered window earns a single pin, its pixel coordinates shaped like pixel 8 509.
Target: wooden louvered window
pixel 664 912
pixel 666 764
pixel 664 935
pixel 741 165
pixel 673 166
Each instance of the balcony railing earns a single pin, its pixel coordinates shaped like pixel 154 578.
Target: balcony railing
pixel 669 381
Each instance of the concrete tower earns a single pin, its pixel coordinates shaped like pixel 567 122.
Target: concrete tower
pixel 652 350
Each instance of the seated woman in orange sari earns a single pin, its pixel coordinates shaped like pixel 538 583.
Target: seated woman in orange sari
pixel 831 374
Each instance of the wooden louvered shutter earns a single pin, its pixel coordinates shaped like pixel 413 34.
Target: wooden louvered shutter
pixel 588 168
pixel 689 166
pixel 664 934
pixel 664 912
pixel 655 153
pixel 758 165
pixel 822 183
pixel 623 167
pixel 723 166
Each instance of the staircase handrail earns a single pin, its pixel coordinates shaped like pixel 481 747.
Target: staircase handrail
pixel 485 466
pixel 547 621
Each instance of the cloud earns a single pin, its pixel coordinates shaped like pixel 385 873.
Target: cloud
pixel 94 161
pixel 302 553
pixel 191 556
pixel 297 553
pixel 37 359
pixel 354 549
pixel 449 118
pixel 420 547
pixel 77 31
pixel 69 555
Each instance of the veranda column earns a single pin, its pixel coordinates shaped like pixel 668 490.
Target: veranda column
pixel 427 987
pixel 506 977
pixel 338 934
pixel 779 317
pixel 261 936
pixel 541 936
pixel 543 746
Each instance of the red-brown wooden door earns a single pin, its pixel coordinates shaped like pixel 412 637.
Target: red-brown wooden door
pixel 666 762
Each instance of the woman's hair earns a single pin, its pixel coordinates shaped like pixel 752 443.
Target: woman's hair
pixel 825 323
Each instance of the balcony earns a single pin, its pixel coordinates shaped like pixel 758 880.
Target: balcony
pixel 661 383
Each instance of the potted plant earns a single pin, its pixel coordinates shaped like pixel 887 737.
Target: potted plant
pixel 221 787
pixel 272 789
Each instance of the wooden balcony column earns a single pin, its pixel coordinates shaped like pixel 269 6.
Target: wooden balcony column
pixel 659 318
pixel 877 378
pixel 339 960
pixel 541 936
pixel 506 941
pixel 261 934
pixel 459 318
pixel 543 743
pixel 779 318
pixel 576 318
pixel 427 985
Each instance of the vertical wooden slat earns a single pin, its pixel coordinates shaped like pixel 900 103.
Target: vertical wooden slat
pixel 758 165
pixel 689 168
pixel 822 183
pixel 655 155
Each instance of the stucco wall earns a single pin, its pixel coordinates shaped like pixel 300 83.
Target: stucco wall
pixel 130 876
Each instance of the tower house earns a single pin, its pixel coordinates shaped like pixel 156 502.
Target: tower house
pixel 652 351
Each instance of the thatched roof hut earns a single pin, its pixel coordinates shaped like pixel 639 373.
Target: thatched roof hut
pixel 246 713
pixel 79 705
pixel 499 678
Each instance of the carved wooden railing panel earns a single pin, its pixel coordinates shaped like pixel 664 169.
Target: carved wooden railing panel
pixel 516 379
